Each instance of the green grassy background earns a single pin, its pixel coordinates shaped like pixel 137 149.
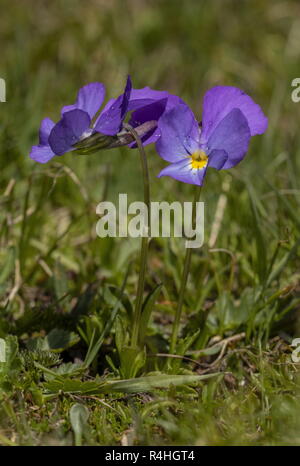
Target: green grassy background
pixel 57 276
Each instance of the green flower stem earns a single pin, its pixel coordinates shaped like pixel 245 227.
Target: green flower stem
pixel 144 245
pixel 185 274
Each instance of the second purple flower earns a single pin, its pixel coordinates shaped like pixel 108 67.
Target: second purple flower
pixel 230 117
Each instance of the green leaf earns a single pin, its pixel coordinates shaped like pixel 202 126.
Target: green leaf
pixel 261 249
pixel 138 385
pixel 146 311
pixel 113 293
pixel 75 386
pixel 65 369
pixel 60 281
pixel 132 360
pixel 150 383
pixel 57 340
pixel 95 346
pixel 183 345
pixel 187 342
pixel 8 266
pixel 2 350
pixel 283 262
pixel 121 335
pixel 228 314
pixel 79 415
pixel 10 354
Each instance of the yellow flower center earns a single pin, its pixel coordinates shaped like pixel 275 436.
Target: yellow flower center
pixel 199 159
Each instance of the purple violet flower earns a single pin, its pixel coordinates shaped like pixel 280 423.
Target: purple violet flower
pixel 148 105
pixel 230 117
pixel 76 122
